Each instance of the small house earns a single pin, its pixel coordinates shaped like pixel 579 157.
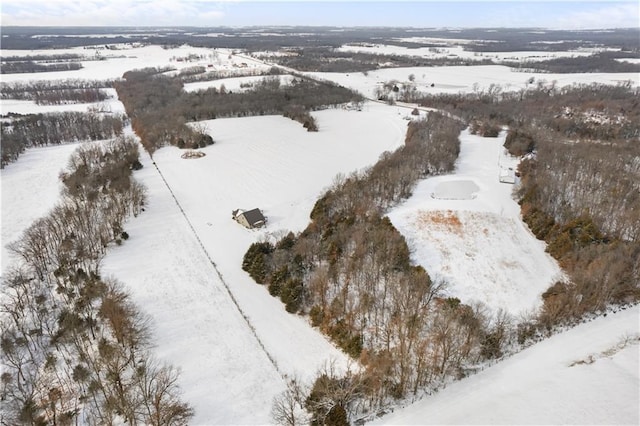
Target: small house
pixel 250 218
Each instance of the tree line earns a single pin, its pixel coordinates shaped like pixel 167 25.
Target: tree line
pixel 75 348
pixel 350 272
pixel 65 96
pixel 222 74
pixel 325 59
pixel 159 108
pixel 61 57
pixel 32 90
pixel 34 67
pixel 37 130
pixel 599 62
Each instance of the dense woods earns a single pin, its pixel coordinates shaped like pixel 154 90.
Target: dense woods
pixel 159 108
pixel 75 349
pixel 38 130
pixel 580 184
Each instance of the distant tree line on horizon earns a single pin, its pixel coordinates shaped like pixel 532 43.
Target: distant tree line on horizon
pixel 252 39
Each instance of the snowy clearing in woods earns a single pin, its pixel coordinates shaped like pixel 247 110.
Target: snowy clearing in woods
pixel 236 84
pixel 465 228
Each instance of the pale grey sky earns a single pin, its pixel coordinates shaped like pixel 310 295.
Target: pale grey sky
pixel 557 14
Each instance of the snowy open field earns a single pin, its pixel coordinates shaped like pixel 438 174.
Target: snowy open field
pixel 465 228
pixel 234 351
pixel 234 84
pixel 584 376
pixel 452 51
pixel 128 57
pixel 30 188
pixel 274 164
pixel 110 105
pixel 466 79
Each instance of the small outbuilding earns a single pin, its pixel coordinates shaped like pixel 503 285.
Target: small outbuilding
pixel 250 218
pixel 508 175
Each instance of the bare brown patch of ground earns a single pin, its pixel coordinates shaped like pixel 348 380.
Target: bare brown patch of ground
pixel 445 220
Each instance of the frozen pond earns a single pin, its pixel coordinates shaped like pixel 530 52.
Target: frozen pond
pixel 456 190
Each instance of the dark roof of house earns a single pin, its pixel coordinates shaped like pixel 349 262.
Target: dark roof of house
pixel 253 216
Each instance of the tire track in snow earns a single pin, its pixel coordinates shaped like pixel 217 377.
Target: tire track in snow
pixel 221 277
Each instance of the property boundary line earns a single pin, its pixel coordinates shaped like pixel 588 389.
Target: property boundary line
pixel 221 277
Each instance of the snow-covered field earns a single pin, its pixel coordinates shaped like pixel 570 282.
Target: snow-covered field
pixel 128 57
pixel 225 374
pixel 585 376
pixel 16 106
pixel 465 228
pixel 234 342
pixel 467 79
pixel 235 84
pixel 452 51
pixel 30 188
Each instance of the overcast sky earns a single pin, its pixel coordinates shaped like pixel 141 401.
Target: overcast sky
pixel 514 13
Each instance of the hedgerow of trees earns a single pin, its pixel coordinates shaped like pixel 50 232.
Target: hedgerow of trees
pixel 325 59
pixel 75 349
pixel 221 74
pixel 494 40
pixel 36 130
pixel 51 92
pixel 16 67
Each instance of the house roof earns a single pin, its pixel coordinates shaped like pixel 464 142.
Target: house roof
pixel 253 216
